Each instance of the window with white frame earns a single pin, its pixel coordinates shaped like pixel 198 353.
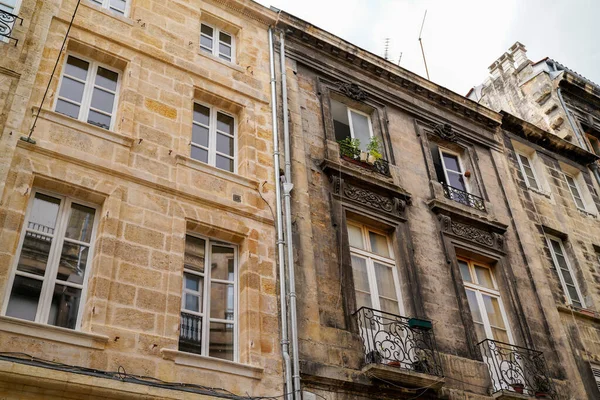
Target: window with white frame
pixel 485 302
pixel 596 373
pixel 209 299
pixel 528 171
pixel 217 42
pixel 575 191
pixel 88 92
pixel 566 274
pixel 117 6
pixel 213 137
pixel 453 170
pixel 55 253
pixel 374 271
pixel 11 7
pixel 348 122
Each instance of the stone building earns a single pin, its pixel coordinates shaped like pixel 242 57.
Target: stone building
pixel 136 253
pixel 551 128
pixel 415 272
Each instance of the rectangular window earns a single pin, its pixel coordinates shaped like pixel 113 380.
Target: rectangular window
pixel 209 299
pixel 348 122
pixel 528 171
pixel 484 301
pixel 213 137
pixel 11 7
pixel 565 272
pixel 54 256
pixel 217 42
pixel 595 144
pixel 117 6
pixel 596 372
pixel 453 171
pixel 88 92
pixel 575 192
pixel 376 282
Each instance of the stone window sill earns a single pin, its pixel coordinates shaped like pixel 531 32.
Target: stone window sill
pixel 84 127
pixel 52 333
pixel 580 312
pixel 209 169
pixel 108 13
pixel 223 62
pixel 540 192
pixel 586 213
pixel 211 363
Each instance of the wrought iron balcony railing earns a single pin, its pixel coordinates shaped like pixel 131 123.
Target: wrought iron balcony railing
pixel 190 333
pixel 7 23
pixel 397 341
pixel 517 370
pixel 462 197
pixel 354 155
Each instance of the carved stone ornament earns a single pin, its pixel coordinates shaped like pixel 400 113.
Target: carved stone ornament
pixel 391 205
pixel 471 233
pixel 445 132
pixel 352 90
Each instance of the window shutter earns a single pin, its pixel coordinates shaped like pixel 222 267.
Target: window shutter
pixel 596 372
pixel 437 162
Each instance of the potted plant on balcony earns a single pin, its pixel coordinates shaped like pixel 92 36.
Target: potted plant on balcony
pixel 518 387
pixel 542 387
pixel 373 150
pixel 350 148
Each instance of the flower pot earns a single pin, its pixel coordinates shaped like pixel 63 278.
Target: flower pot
pixel 518 387
pixel 541 395
pixel 364 156
pixel 371 159
pixel 394 364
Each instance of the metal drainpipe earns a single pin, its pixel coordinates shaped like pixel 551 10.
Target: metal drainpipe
pixel 280 249
pixel 287 188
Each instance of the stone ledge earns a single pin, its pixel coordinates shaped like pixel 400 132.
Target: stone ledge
pixel 580 313
pixel 211 363
pixel 227 64
pixel 404 376
pixel 506 395
pixel 125 20
pixel 84 127
pixel 210 170
pixel 52 333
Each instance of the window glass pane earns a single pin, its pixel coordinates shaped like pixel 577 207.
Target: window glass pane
pixel 451 162
pixel 360 127
pixel 207 30
pixel 556 246
pixel 81 222
pixel 573 295
pixel 456 181
pixel 103 101
pixel 385 281
pixel 201 114
pixel 225 123
pixel 355 237
pixel 363 300
pixel 194 253
pixel 200 135
pixel 34 253
pixel 389 306
pixel 480 331
pixel 492 308
pixel 225 38
pixel 221 341
pixel 107 79
pixel 225 144
pixel 567 277
pixel 10 7
pixel 101 120
pixel 118 4
pixel 222 263
pixel 190 333
pixel 484 276
pixel 193 282
pixel 359 273
pixel 199 154
pixel 225 50
pixel 65 304
pixel 341 125
pixel 44 213
pixel 474 306
pixel 464 271
pixel 224 163
pixel 71 89
pixel 500 335
pixel 77 68
pixel 193 302
pixel 221 300
pixel 73 260
pixel 206 44
pixel 379 244
pixel 68 109
pixel 24 298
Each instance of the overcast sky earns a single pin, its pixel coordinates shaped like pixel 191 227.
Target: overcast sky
pixel 461 37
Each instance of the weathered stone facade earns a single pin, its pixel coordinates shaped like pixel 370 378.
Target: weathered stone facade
pixel 148 191
pixel 552 102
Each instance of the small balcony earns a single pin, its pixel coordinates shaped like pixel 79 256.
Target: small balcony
pixel 7 23
pixel 517 372
pixel 364 159
pixel 399 349
pixel 462 197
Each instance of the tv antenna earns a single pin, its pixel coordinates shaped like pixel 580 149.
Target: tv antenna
pixel 399 58
pixel 421 43
pixel 387 48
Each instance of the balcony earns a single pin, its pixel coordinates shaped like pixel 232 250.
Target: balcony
pixel 190 333
pixel 517 372
pixel 364 159
pixel 399 349
pixel 462 197
pixel 7 23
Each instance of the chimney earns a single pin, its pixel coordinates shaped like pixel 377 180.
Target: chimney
pixel 507 63
pixel 495 69
pixel 519 54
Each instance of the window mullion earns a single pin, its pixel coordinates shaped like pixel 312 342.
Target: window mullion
pixel 349 112
pixel 206 302
pixel 88 91
pixel 373 284
pixel 484 317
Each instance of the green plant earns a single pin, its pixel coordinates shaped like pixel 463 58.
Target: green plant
pixel 374 148
pixel 350 147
